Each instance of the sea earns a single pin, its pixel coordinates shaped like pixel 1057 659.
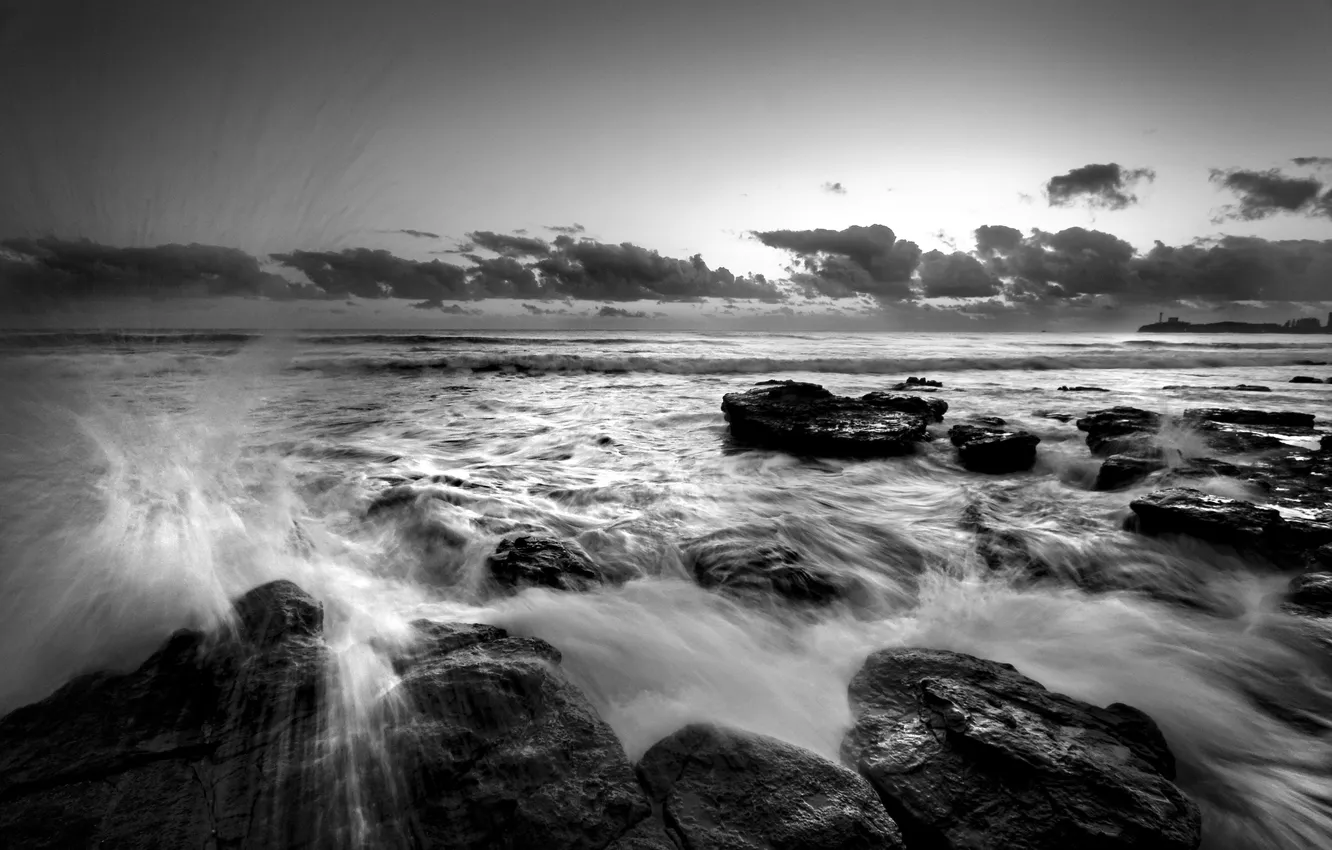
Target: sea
pixel 147 478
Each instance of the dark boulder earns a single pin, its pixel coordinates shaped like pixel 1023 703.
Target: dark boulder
pixel 1120 471
pixel 721 788
pixel 1121 430
pixel 754 562
pixel 1305 379
pixel 1083 390
pixel 224 741
pixel 1229 522
pixel 210 742
pixel 920 385
pixel 500 749
pixel 990 421
pixel 994 450
pixel 807 419
pixel 538 561
pixel 967 753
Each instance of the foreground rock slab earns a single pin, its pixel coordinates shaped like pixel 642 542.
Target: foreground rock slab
pixel 807 419
pixel 994 450
pixel 967 753
pixel 720 788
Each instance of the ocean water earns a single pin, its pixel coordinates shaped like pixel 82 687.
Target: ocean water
pixel 149 478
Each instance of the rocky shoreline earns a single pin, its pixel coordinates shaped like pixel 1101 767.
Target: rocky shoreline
pixel 223 741
pixel 231 738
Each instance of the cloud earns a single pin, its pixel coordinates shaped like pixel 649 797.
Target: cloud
pixel 618 313
pixel 38 274
pixel 1263 194
pixel 379 274
pixel 994 239
pixel 541 311
pixel 842 263
pixel 599 271
pixel 567 229
pixel 956 275
pixel 1104 186
pixel 503 277
pixel 1316 161
pixel 509 245
pixel 451 309
pixel 834 188
pixel 420 234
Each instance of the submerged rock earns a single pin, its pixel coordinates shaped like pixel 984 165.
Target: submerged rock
pixel 1311 594
pixel 805 418
pixel 539 561
pixel 721 788
pixel 924 385
pixel 1246 388
pixel 1229 522
pixel 1242 416
pixel 752 561
pixel 1305 379
pixel 1120 471
pixel 967 753
pixel 994 450
pixel 1083 390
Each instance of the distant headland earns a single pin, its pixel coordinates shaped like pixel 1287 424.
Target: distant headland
pixel 1291 326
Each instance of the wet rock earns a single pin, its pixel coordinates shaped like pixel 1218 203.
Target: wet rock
pixel 1083 390
pixel 721 788
pixel 210 742
pixel 1241 416
pixel 1311 593
pixel 994 450
pixel 1245 388
pixel 990 421
pixel 807 419
pixel 1057 415
pixel 502 750
pixel 1230 522
pixel 923 385
pixel 753 561
pixel 539 561
pixel 1121 430
pixel 969 753
pixel 932 409
pixel 1305 379
pixel 1120 471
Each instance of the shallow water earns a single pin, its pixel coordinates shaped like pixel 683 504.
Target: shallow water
pixel 147 479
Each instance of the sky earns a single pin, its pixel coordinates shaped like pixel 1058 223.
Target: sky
pixel 309 164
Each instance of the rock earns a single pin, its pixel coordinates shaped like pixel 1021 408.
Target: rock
pixel 1230 522
pixel 967 753
pixel 1058 415
pixel 1311 593
pixel 990 421
pixel 538 561
pixel 1120 471
pixel 1305 379
pixel 923 385
pixel 1121 430
pixel 721 788
pixel 1083 390
pixel 807 419
pixel 1240 416
pixel 1247 388
pixel 224 741
pixel 208 743
pixel 933 409
pixel 993 450
pixel 753 561
pixel 504 751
